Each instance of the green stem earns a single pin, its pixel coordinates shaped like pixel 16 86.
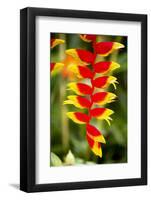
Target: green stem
pixel 64 120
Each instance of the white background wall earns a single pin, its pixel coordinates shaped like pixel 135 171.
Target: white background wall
pixel 9 98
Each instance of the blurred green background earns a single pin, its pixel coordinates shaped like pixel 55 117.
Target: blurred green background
pixel 68 145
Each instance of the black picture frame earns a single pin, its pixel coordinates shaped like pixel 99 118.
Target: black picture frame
pixel 28 98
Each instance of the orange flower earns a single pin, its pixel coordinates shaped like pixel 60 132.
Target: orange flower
pixel 69 64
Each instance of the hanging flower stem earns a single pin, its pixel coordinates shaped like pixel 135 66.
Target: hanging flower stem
pixel 96 101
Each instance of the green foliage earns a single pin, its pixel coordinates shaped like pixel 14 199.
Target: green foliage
pixel 55 160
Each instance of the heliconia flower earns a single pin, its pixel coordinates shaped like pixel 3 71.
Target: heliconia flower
pixel 81 71
pixel 102 114
pixel 102 98
pixel 88 38
pixel 78 101
pixel 78 117
pixel 95 134
pixel 56 67
pixel 83 57
pixel 55 42
pixel 95 146
pixel 105 81
pixel 105 48
pixel 105 67
pixel 80 88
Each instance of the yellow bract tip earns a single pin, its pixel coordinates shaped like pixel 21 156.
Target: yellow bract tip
pixel 112 80
pixel 70 52
pixel 115 65
pixel 96 150
pixel 100 138
pixel 67 102
pixel 106 116
pixel 118 45
pixel 56 42
pixel 57 68
pixel 111 97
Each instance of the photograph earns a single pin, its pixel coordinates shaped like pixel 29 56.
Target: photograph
pixel 83 99
pixel 88 99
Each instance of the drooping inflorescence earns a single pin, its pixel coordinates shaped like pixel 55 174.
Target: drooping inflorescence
pixel 91 94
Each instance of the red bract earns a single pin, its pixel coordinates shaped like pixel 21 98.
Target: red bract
pixel 103 47
pixel 101 67
pixel 85 72
pixel 85 56
pixel 84 102
pixel 97 112
pixel 88 38
pixel 100 96
pixel 100 81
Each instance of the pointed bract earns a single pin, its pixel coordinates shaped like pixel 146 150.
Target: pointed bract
pixel 105 67
pixel 102 114
pixel 95 134
pixel 83 57
pixel 56 68
pixel 78 117
pixel 95 146
pixel 78 101
pixel 80 88
pixel 105 81
pixel 105 48
pixel 102 98
pixel 81 71
pixel 55 42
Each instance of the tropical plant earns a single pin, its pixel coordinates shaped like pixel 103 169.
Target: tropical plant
pixel 91 88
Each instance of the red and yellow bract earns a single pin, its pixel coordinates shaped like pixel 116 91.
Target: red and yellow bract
pixel 105 67
pixel 105 48
pixel 78 101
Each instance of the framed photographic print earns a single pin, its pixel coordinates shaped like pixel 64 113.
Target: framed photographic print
pixel 83 95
